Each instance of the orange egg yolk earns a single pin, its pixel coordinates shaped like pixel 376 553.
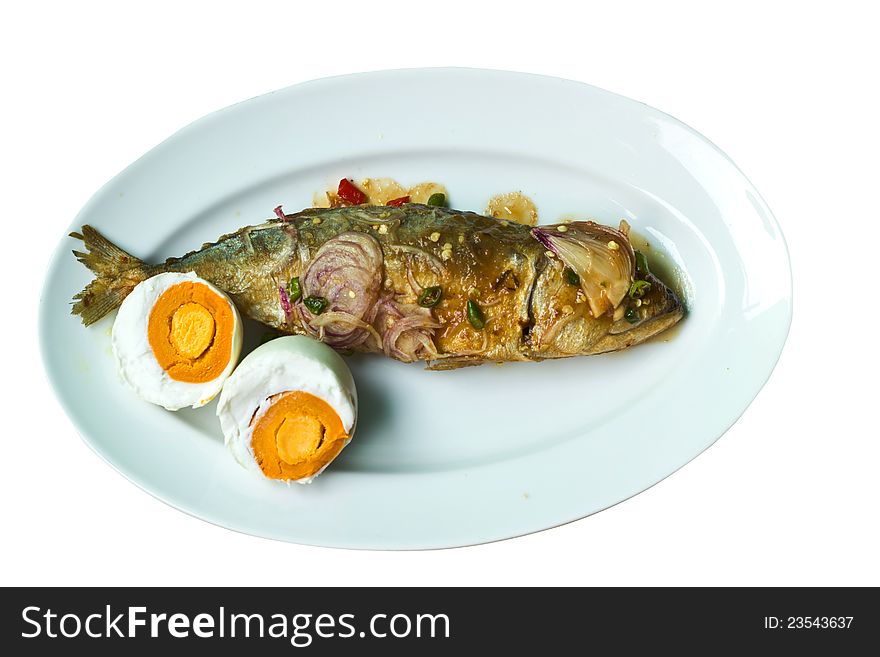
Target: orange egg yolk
pixel 190 331
pixel 297 436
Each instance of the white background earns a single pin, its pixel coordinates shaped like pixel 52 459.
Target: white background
pixel 788 496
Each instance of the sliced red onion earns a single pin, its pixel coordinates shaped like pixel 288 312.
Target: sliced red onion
pixel 326 318
pixel 413 283
pixel 285 301
pixel 280 213
pixel 406 329
pixel 601 256
pixel 347 271
pixel 427 344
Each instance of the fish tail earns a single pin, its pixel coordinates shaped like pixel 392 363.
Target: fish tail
pixel 116 274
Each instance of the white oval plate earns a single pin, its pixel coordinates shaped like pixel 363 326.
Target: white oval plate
pixel 468 456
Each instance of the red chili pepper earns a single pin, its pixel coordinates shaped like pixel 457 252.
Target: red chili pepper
pixel 349 193
pixel 398 201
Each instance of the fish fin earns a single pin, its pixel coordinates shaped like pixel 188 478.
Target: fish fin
pixel 116 274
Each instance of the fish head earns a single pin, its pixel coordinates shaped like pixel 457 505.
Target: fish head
pixel 627 303
pixel 653 308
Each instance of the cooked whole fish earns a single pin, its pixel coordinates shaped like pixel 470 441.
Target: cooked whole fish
pixel 418 282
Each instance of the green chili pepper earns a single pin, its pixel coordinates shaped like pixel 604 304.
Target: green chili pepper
pixel 438 199
pixel 639 289
pixel 430 296
pixel 475 315
pixel 572 277
pixel 316 305
pixel 632 316
pixel 294 290
pixel 642 263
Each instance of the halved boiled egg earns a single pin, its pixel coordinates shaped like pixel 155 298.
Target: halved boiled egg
pixel 289 409
pixel 176 340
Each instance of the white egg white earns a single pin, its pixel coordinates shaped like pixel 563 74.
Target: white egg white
pixel 284 364
pixel 134 356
